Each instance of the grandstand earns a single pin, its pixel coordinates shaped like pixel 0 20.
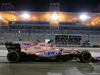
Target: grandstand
pixel 67 33
pixel 28 25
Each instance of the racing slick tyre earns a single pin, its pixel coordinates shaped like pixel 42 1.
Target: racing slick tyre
pixel 85 56
pixel 13 56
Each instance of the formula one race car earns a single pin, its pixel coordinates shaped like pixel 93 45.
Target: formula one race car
pixel 19 51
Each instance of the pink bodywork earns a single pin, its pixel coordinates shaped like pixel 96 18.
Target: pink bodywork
pixel 42 49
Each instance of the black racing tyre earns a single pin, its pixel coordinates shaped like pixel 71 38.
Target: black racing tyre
pixel 13 56
pixel 85 56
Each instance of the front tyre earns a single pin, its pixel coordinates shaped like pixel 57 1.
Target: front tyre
pixel 85 56
pixel 13 56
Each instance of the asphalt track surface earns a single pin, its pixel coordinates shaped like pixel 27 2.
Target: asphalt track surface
pixel 72 67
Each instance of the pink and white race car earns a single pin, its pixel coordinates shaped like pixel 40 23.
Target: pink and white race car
pixel 41 50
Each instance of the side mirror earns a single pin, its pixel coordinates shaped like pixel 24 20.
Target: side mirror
pixel 50 41
pixel 38 41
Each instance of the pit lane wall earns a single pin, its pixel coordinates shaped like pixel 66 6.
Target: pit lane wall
pixel 6 37
pixel 3 51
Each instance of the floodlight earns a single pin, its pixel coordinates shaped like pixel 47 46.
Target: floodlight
pixel 19 31
pixel 54 16
pixel 25 15
pixel 0 16
pixel 84 17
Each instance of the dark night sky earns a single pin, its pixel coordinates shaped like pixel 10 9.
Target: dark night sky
pixel 65 5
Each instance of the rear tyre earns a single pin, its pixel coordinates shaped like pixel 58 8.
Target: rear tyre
pixel 85 56
pixel 13 56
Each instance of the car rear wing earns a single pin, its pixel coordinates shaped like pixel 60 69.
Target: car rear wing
pixel 12 46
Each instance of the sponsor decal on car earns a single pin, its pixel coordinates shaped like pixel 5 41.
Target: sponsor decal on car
pixel 97 58
pixel 50 53
pixel 26 44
